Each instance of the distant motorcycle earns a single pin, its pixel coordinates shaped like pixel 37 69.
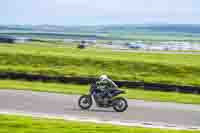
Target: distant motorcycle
pixel 119 104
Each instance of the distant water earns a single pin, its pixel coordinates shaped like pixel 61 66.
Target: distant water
pixel 180 28
pixel 94 31
pixel 173 28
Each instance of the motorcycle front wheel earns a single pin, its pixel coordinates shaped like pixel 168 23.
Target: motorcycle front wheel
pixel 120 104
pixel 85 102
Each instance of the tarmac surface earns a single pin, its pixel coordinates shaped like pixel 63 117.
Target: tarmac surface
pixel 149 113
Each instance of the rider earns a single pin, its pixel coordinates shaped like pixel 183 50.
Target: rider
pixel 106 85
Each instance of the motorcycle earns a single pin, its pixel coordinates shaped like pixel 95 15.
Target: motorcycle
pixel 119 104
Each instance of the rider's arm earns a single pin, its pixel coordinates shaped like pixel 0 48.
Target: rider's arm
pixel 112 83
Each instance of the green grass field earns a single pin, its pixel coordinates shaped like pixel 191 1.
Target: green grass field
pixel 17 124
pixel 83 89
pixel 60 60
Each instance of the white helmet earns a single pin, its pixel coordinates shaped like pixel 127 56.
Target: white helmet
pixel 102 77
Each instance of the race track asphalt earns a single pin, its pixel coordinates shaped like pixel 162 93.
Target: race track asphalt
pixel 139 111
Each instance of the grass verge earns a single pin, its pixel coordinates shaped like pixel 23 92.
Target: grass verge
pixel 19 124
pixel 83 89
pixel 59 60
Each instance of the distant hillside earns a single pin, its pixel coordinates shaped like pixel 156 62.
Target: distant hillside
pixel 105 29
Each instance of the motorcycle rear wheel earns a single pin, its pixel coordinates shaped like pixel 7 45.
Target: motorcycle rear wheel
pixel 120 104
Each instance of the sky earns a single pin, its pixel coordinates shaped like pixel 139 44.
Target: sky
pixel 99 12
